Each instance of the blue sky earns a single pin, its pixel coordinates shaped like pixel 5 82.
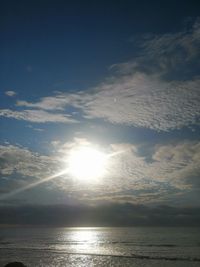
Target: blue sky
pixel 122 76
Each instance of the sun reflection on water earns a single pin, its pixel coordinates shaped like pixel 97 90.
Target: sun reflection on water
pixel 84 239
pixel 85 235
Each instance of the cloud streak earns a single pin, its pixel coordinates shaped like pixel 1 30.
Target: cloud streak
pixel 10 93
pixel 102 215
pixel 37 116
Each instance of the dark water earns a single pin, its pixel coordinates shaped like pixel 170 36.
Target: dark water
pixel 77 247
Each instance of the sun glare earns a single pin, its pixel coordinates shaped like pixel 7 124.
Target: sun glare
pixel 86 163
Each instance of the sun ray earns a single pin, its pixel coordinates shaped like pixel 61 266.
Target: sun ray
pixel 85 163
pixel 29 186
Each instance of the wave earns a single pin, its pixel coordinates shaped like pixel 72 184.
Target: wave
pixel 164 258
pixel 100 243
pixel 145 245
pixel 162 245
pixel 130 256
pixel 126 243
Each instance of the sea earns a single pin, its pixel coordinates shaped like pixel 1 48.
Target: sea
pixel 89 247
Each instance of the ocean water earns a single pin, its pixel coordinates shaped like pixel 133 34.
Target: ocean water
pixel 81 247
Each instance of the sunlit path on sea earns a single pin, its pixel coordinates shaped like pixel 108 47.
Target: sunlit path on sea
pixel 140 246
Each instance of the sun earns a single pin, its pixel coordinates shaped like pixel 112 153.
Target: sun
pixel 86 163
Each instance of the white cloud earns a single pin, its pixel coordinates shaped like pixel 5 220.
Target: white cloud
pixel 180 162
pixel 135 96
pixel 140 96
pixel 58 102
pixel 10 93
pixel 146 101
pixel 173 171
pixel 137 100
pixel 20 167
pixel 39 116
pixel 15 159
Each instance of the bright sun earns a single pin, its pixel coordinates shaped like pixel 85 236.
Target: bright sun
pixel 86 163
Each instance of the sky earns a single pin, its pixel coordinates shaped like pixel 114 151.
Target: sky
pixel 119 76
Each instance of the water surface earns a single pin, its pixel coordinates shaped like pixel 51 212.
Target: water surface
pixel 77 247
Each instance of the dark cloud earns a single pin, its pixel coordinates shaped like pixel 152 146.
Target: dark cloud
pixel 105 215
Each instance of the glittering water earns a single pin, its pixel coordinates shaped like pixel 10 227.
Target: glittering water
pixel 77 247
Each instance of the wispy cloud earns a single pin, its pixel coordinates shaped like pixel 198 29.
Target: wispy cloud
pixel 172 51
pixel 38 116
pixel 10 93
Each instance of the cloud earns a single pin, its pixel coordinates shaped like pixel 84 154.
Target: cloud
pixel 158 90
pixel 172 51
pixel 20 160
pixel 10 93
pixel 58 102
pixel 137 100
pixel 144 101
pixel 20 167
pixel 38 116
pixel 102 215
pixel 35 129
pixel 172 173
pixel 182 162
pixel 163 54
